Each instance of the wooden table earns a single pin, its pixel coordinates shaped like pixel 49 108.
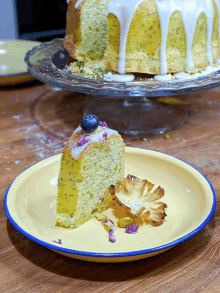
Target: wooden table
pixel 34 124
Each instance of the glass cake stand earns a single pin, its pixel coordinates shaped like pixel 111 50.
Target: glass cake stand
pixel 129 107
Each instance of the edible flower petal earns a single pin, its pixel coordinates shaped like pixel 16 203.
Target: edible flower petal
pixel 132 229
pixel 112 236
pixel 108 224
pixel 103 124
pixel 101 199
pixel 84 140
pixel 58 242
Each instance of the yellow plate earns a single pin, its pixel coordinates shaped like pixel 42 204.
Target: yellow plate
pixel 30 203
pixel 13 70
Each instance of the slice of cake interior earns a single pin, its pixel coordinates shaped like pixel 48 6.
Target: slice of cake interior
pixel 92 160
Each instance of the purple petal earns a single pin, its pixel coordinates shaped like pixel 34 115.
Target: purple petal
pixel 105 135
pixel 112 236
pixel 101 199
pixel 103 124
pixel 84 140
pixel 58 242
pixel 132 229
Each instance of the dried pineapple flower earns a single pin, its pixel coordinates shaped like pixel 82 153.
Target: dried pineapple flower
pixel 134 198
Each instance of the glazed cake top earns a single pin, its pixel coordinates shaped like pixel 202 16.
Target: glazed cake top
pixel 80 140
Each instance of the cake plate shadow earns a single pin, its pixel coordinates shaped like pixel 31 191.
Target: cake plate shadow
pixel 130 107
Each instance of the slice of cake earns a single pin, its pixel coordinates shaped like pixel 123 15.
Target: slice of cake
pixel 92 160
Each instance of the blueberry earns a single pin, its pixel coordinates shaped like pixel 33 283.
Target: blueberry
pixel 89 123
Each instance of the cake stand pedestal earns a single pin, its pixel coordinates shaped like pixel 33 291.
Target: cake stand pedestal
pixel 137 116
pixel 129 107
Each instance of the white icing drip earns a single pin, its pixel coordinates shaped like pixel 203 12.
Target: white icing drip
pixel 78 3
pixel 165 10
pixel 189 30
pixel 187 76
pixel 181 75
pixel 79 128
pixel 163 77
pixel 190 11
pixel 124 10
pixel 95 137
pixel 119 77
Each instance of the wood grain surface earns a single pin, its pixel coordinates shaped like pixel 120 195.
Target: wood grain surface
pixel 35 123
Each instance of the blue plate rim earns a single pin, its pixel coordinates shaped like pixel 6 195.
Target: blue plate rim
pixel 115 254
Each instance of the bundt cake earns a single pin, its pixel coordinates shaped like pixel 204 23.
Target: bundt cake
pixel 92 160
pixel 142 36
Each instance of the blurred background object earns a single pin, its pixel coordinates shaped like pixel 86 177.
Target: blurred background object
pixel 13 70
pixel 32 19
pixel 8 20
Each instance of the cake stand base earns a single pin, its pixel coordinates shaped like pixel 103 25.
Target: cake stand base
pixel 138 116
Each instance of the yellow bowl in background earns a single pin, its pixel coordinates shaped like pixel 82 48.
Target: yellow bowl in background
pixel 30 204
pixel 13 70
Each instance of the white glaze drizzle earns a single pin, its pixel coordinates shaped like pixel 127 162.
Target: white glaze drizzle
pixel 190 11
pixel 119 77
pixel 124 10
pixel 163 77
pixel 187 76
pixel 95 137
pixel 78 3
